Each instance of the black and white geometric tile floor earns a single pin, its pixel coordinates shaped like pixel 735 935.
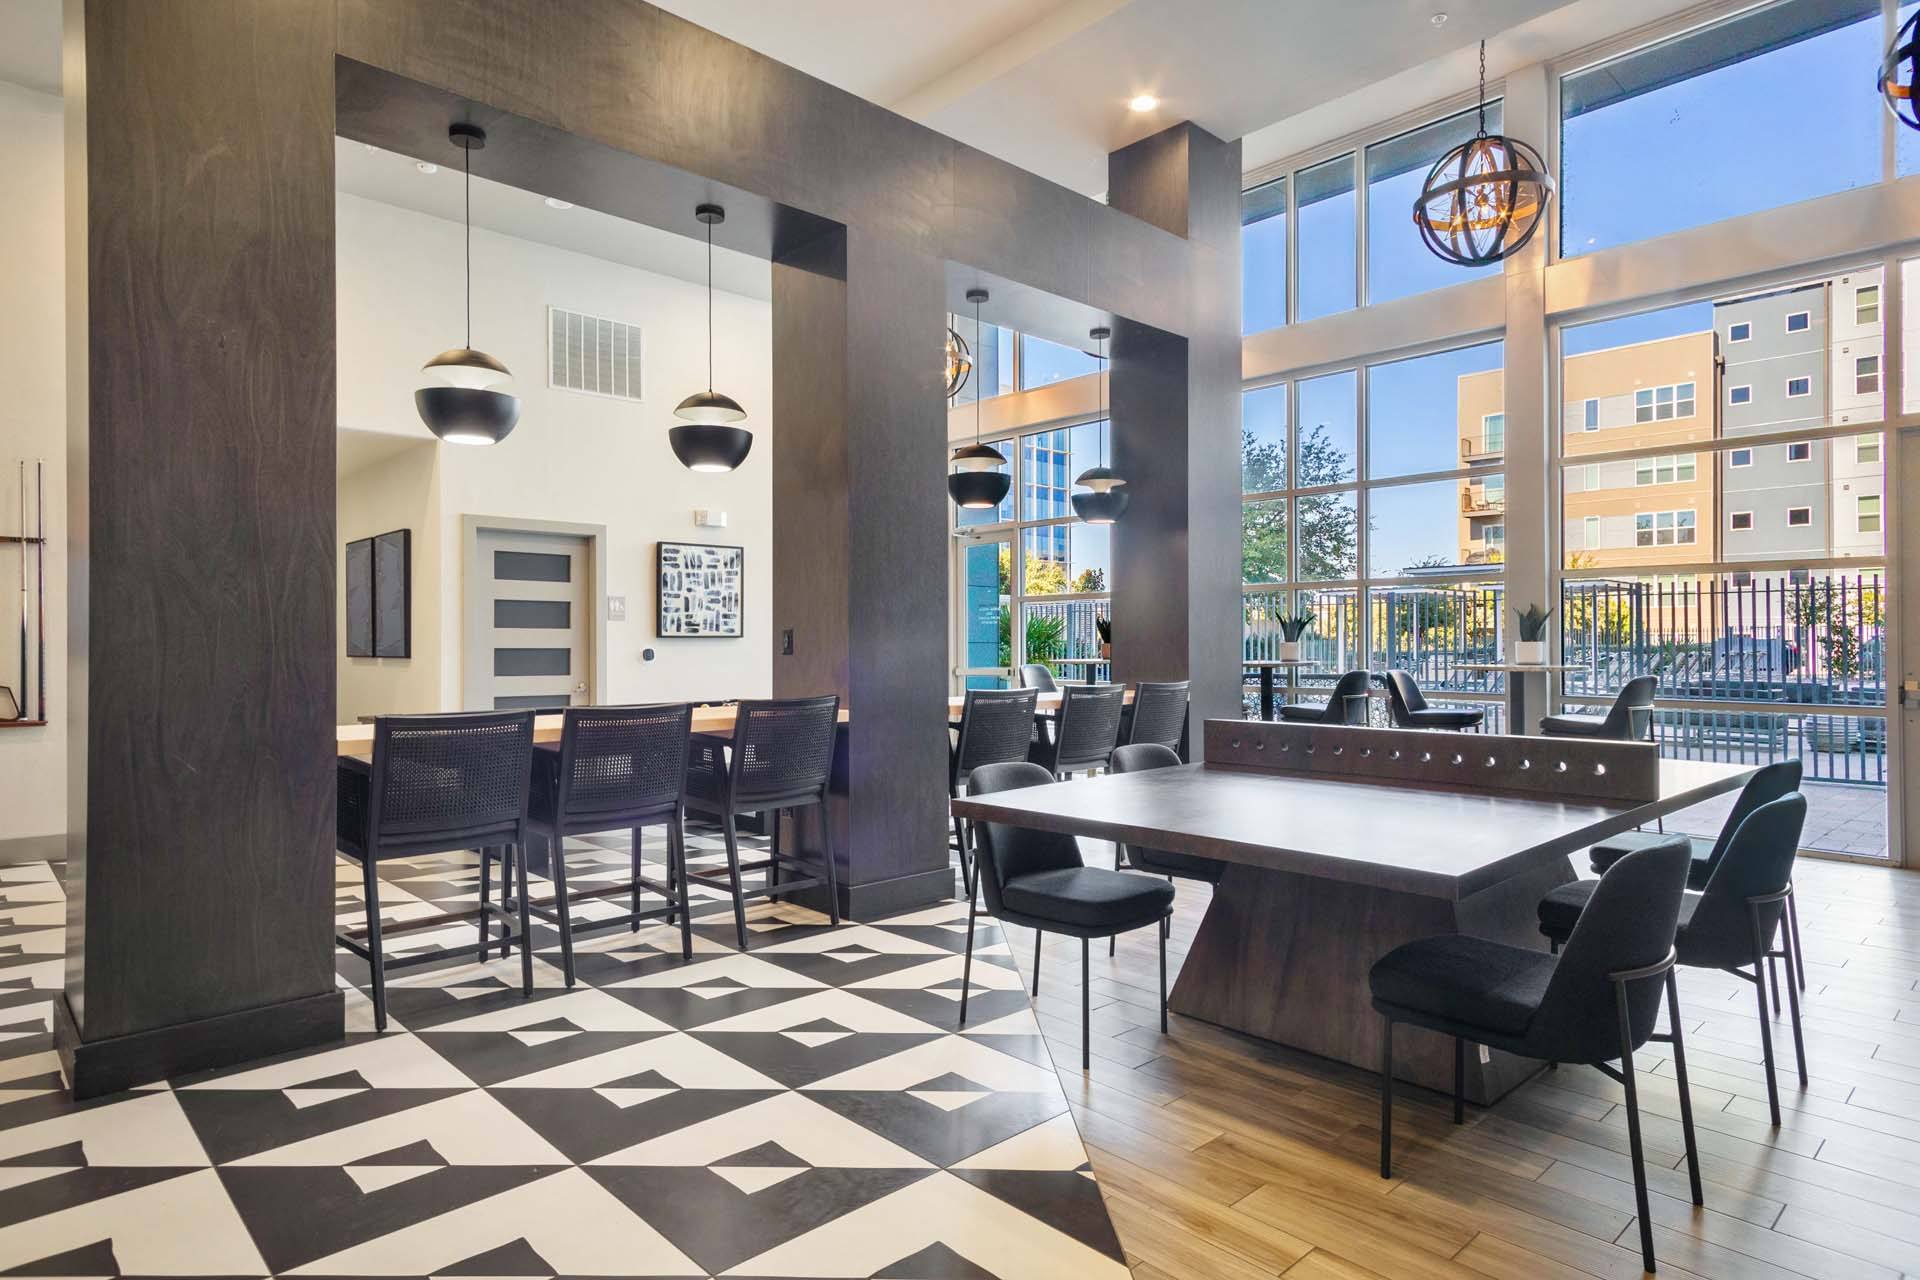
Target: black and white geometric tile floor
pixel 805 1110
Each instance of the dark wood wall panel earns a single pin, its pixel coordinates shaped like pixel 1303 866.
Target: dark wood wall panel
pixel 204 575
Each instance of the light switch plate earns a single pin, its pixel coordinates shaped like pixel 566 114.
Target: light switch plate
pixel 616 608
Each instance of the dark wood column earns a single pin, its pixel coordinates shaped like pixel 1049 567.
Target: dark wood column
pixel 859 559
pixel 1176 431
pixel 201 445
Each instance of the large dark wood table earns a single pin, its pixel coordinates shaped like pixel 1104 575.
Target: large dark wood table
pixel 1326 874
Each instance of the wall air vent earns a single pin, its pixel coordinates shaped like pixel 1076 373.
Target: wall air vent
pixel 591 355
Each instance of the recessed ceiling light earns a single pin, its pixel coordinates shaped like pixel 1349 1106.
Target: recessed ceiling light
pixel 1438 19
pixel 426 166
pixel 555 202
pixel 1142 102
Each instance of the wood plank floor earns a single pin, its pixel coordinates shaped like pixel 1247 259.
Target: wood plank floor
pixel 1221 1156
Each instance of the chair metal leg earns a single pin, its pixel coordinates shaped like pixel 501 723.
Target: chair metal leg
pixel 677 879
pixel 1766 1028
pixel 1553 946
pixel 773 862
pixel 1113 944
pixel 826 853
pixel 1686 1093
pixel 1386 1099
pixel 557 868
pixel 1459 1080
pixel 1086 1006
pixel 966 966
pixel 1793 927
pixel 1163 980
pixel 1038 938
pixel 509 860
pixel 634 897
pixel 1773 981
pixel 486 916
pixel 1633 1125
pixel 1790 949
pixel 376 962
pixel 526 926
pixel 733 874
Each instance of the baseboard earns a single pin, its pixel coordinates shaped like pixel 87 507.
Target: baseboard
pixel 882 898
pixel 96 1067
pixel 24 849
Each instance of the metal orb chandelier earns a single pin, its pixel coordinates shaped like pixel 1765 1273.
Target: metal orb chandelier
pixel 706 439
pixel 1483 200
pixel 976 481
pixel 1900 74
pixel 959 362
pixel 1106 497
pixel 470 408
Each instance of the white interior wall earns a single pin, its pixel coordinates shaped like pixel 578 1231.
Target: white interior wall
pixel 397 491
pixel 576 458
pixel 33 761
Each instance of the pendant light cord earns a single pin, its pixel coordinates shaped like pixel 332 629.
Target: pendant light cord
pixel 709 308
pixel 1483 89
pixel 977 337
pixel 1103 402
pixel 466 154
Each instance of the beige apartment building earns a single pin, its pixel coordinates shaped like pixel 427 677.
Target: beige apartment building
pixel 1653 508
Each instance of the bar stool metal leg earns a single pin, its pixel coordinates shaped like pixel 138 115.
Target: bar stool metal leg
pixel 557 868
pixel 1633 1125
pixel 376 962
pixel 1386 1098
pixel 833 870
pixel 1686 1094
pixel 634 897
pixel 966 966
pixel 1766 1028
pixel 1790 949
pixel 1163 980
pixel 1038 938
pixel 1086 1007
pixel 677 880
pixel 486 914
pixel 1793 927
pixel 1459 1080
pixel 733 876
pixel 509 858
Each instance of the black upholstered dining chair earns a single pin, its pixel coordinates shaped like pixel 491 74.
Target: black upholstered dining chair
pixel 1037 879
pixel 996 726
pixel 1038 676
pixel 1159 713
pixel 1781 778
pixel 1731 922
pixel 614 769
pixel 1347 704
pixel 436 783
pixel 778 759
pixel 1629 719
pixel 1596 1002
pixel 1409 708
pixel 1085 731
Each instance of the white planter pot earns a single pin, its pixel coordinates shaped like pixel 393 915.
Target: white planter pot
pixel 1290 650
pixel 1532 653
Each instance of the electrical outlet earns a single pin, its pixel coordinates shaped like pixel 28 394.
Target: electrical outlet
pixel 616 608
pixel 786 642
pixel 1486 1056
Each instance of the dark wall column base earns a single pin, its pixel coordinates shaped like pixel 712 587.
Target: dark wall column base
pixel 878 899
pixel 96 1067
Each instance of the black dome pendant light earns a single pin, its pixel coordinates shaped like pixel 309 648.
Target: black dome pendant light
pixel 470 409
pixel 1106 497
pixel 976 481
pixel 706 440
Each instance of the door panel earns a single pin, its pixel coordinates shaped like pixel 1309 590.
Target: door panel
pixel 983 593
pixel 528 641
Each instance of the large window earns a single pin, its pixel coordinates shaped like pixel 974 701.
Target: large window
pixel 1043 362
pixel 1329 244
pixel 1769 107
pixel 1398 261
pixel 1263 257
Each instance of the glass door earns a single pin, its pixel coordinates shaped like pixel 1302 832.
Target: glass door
pixel 982 611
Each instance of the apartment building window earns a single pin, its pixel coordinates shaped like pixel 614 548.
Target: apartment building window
pixel 1866 513
pixel 1493 433
pixel 1866 304
pixel 1798 321
pixel 1739 395
pixel 1800 451
pixel 1740 332
pixel 1866 449
pixel 1740 521
pixel 1590 530
pixel 1670 109
pixel 1672 468
pixel 1663 528
pixel 1866 375
pixel 1742 579
pixel 1797 387
pixel 1740 458
pixel 1590 415
pixel 1799 517
pixel 1659 404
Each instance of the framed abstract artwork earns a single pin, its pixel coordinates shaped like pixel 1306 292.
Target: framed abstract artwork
pixel 393 594
pixel 360 598
pixel 701 591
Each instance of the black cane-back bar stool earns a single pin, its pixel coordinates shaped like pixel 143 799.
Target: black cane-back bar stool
pixel 436 783
pixel 1085 734
pixel 778 759
pixel 615 768
pixel 1595 1003
pixel 1159 713
pixel 996 726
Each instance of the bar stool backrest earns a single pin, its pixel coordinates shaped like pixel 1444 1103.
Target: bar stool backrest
pixel 1160 712
pixel 783 751
pixel 1758 863
pixel 1007 852
pixel 996 725
pixel 1628 924
pixel 620 763
pixel 1089 725
pixel 1035 675
pixel 449 781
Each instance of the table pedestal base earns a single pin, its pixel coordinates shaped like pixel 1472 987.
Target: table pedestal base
pixel 1285 957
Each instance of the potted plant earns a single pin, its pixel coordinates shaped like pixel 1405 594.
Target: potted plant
pixel 1531 648
pixel 1291 629
pixel 1104 626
